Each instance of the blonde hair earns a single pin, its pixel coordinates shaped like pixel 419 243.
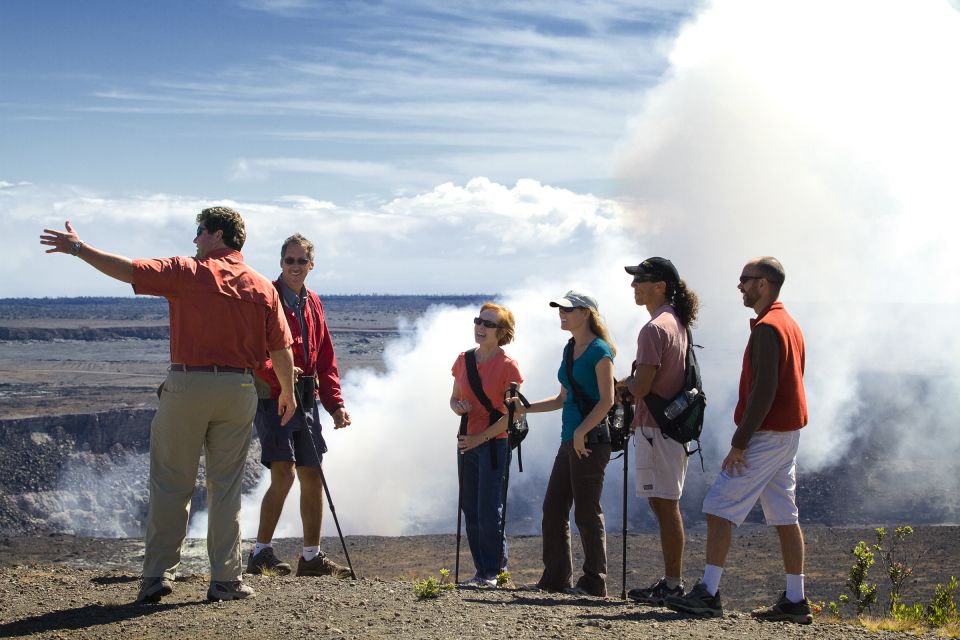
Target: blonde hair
pixel 505 318
pixel 600 329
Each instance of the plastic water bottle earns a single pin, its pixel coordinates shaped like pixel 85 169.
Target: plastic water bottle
pixel 680 403
pixel 618 419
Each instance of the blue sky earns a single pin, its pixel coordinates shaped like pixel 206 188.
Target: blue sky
pixel 338 101
pixel 335 119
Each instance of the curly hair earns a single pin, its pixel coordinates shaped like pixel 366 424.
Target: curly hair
pixel 505 331
pixel 685 301
pixel 226 220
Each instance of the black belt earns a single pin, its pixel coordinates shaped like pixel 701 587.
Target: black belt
pixel 210 368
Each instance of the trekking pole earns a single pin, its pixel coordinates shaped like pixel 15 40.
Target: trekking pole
pixel 627 420
pixel 333 512
pixel 462 432
pixel 506 476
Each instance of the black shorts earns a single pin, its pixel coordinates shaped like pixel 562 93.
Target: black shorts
pixel 300 441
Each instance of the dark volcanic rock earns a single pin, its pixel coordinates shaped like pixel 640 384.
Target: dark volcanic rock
pixel 85 474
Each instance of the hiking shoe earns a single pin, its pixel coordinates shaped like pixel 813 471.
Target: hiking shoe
pixel 229 590
pixel 267 563
pixel 699 602
pixel 786 610
pixel 582 588
pixel 321 566
pixel 152 589
pixel 656 594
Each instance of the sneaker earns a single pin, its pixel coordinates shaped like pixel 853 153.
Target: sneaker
pixel 152 589
pixel 698 602
pixel 655 594
pixel 321 566
pixel 785 610
pixel 229 590
pixel 267 563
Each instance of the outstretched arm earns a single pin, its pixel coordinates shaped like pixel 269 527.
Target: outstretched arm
pixel 117 267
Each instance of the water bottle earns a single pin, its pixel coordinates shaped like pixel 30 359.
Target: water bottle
pixel 680 403
pixel 618 417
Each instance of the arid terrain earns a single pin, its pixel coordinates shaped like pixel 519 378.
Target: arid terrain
pixel 64 587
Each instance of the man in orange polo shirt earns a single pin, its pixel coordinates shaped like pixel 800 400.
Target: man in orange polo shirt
pixel 224 320
pixel 762 463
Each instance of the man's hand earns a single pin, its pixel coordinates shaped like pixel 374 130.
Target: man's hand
pixel 60 242
pixel 341 418
pixel 286 407
pixel 734 464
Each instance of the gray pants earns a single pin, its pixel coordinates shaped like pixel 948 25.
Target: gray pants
pixel 199 412
pixel 576 482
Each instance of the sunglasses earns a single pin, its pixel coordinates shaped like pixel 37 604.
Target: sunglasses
pixel 300 261
pixel 568 309
pixel 746 279
pixel 200 230
pixel 489 324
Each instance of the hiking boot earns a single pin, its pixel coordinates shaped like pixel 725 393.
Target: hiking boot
pixel 152 589
pixel 266 563
pixel 786 610
pixel 656 594
pixel 229 590
pixel 321 566
pixel 583 588
pixel 698 602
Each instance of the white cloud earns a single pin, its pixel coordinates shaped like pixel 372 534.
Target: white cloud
pixel 431 242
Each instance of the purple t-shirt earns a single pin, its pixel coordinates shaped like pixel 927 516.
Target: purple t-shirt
pixel 662 342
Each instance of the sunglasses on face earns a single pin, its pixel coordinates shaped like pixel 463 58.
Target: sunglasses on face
pixel 292 261
pixel 200 230
pixel 746 279
pixel 487 323
pixel 568 309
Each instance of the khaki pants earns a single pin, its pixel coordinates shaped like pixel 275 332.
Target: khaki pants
pixel 576 482
pixel 209 412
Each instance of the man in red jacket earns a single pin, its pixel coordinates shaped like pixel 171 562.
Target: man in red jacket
pixel 762 463
pixel 299 444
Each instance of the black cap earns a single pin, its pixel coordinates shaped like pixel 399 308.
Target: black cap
pixel 654 270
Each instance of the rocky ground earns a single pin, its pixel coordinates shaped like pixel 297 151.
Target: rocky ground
pixel 65 587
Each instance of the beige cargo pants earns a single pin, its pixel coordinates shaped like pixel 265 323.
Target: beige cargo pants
pixel 199 412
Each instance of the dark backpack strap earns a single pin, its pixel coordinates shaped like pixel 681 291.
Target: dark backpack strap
pixel 473 375
pixel 578 395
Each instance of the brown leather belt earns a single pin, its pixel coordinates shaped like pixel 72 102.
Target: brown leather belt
pixel 211 368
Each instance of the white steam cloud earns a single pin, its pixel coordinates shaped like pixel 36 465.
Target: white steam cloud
pixel 823 134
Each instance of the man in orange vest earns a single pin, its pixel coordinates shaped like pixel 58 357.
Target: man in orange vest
pixel 770 412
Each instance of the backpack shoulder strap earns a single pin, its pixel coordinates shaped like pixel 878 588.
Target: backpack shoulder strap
pixel 474 376
pixel 578 395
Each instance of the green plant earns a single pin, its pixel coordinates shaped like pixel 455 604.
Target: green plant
pixel 943 609
pixel 503 578
pixel 864 593
pixel 896 562
pixel 431 586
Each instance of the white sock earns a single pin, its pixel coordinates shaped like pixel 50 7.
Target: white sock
pixel 795 587
pixel 260 546
pixel 673 583
pixel 711 578
pixel 309 553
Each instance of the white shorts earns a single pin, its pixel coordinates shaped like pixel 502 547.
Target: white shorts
pixel 770 477
pixel 661 464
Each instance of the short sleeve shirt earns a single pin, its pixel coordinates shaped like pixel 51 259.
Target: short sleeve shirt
pixel 496 374
pixel 222 312
pixel 585 373
pixel 663 343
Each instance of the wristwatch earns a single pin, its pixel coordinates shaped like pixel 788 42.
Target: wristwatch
pixel 75 247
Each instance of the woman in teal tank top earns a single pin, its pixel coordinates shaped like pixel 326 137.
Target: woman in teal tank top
pixel 578 469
